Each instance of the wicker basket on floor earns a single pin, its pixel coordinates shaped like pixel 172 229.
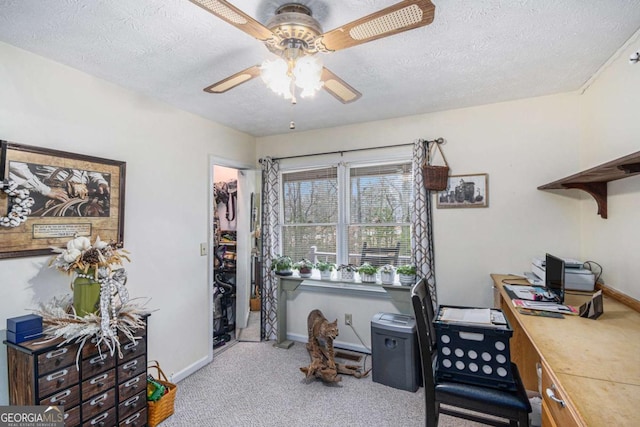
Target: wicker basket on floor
pixel 163 408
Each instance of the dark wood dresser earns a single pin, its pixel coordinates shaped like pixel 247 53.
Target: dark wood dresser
pixel 100 390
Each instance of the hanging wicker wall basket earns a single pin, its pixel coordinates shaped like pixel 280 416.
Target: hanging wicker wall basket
pixel 435 177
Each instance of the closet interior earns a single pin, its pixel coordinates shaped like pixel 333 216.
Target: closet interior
pixel 225 254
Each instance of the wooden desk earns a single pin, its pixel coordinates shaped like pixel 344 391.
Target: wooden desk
pixel 592 365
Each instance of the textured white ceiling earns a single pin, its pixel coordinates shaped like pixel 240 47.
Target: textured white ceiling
pixel 475 52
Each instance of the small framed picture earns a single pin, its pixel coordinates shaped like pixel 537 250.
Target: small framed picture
pixel 465 191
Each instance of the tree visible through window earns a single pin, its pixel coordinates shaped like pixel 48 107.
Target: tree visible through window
pixel 338 209
pixel 310 204
pixel 380 216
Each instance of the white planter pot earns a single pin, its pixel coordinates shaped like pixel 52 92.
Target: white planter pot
pixel 347 276
pixel 325 275
pixel 407 279
pixel 368 278
pixel 386 278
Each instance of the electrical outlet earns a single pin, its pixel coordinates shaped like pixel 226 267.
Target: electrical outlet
pixel 347 319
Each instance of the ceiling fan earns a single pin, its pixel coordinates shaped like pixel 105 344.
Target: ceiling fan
pixel 296 37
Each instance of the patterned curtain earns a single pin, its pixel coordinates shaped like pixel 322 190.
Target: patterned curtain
pixel 422 241
pixel 270 245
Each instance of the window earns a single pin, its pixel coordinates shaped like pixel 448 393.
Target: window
pixel 331 213
pixel 379 210
pixel 310 213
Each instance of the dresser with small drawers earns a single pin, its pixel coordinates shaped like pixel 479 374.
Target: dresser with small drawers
pixel 95 388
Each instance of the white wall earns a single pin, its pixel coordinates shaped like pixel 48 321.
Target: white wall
pixel 45 104
pixel 521 145
pixel 334 305
pixel 611 122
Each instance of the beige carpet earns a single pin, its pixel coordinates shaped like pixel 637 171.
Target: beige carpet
pixel 256 384
pixel 252 332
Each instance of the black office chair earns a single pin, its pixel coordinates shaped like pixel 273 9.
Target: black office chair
pixel 380 256
pixel 507 405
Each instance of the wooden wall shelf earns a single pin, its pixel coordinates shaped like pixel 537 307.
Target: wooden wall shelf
pixel 594 181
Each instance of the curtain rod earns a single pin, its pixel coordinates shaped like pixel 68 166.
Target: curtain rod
pixel 341 152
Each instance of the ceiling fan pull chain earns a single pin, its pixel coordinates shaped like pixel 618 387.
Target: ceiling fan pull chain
pixel 292 123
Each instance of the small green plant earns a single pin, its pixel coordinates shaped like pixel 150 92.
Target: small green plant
pixel 325 266
pixel 304 265
pixel 387 268
pixel 409 270
pixel 281 263
pixel 350 268
pixel 367 268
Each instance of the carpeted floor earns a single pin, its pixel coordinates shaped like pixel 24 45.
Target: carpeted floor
pixel 255 384
pixel 252 331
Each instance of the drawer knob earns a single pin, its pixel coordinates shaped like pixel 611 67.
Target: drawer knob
pixel 132 401
pixel 99 380
pixel 100 420
pixel 58 399
pixel 133 383
pixel 551 395
pixel 131 366
pixel 99 401
pixel 100 360
pixel 132 420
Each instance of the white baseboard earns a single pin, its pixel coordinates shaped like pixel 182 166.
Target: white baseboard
pixel 194 367
pixel 337 344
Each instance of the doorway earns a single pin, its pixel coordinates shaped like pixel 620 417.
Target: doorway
pixel 233 252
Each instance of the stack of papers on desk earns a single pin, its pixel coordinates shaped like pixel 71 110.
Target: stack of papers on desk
pixel 533 293
pixel 545 306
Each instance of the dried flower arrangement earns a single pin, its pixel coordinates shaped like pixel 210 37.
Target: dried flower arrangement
pixel 60 321
pixel 80 256
pixel 101 262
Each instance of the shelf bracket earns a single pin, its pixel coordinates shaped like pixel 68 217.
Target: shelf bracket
pixel 597 190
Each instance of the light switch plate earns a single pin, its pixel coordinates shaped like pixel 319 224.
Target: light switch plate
pixel 203 249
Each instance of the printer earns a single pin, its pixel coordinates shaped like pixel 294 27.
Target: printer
pixel 575 277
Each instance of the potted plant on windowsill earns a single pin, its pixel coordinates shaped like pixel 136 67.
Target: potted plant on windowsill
pixel 325 268
pixel 347 272
pixel 368 272
pixel 304 267
pixel 282 265
pixel 387 273
pixel 407 274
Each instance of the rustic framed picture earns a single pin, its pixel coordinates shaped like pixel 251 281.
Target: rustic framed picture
pixel 68 194
pixel 465 191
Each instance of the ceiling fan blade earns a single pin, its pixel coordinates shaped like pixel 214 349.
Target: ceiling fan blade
pixel 234 80
pixel 403 16
pixel 234 16
pixel 337 87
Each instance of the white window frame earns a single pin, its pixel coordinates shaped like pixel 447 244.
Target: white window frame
pixel 342 226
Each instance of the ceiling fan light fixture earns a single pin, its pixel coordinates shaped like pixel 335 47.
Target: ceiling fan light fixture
pixel 282 78
pixel 274 74
pixel 308 73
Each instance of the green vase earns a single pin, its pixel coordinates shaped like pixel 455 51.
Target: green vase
pixel 86 295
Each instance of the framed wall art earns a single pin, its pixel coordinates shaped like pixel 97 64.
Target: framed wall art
pixel 62 195
pixel 465 191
